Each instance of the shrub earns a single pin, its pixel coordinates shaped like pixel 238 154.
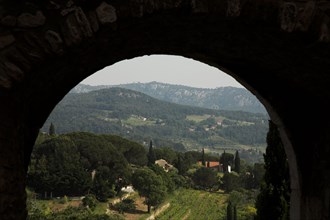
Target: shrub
pixel 90 201
pixel 126 205
pixel 64 200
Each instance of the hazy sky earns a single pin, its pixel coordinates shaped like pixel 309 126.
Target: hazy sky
pixel 162 68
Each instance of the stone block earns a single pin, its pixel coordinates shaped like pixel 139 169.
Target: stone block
pixel 27 20
pixel 9 21
pixel 106 13
pixel 6 40
pixel 92 17
pixel 76 27
pixel 55 41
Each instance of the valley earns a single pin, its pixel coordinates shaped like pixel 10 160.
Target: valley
pixel 140 117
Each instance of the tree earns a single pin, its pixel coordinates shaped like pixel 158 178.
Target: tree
pixel 231 181
pixel 51 129
pixel 179 164
pixel 167 180
pixel 58 169
pixel 166 153
pixel 273 202
pixel 149 185
pixel 237 163
pixel 126 205
pixel 203 158
pixel 229 211
pixel 89 201
pixel 226 160
pixel 151 155
pixel 235 213
pixel 205 178
pixel 102 185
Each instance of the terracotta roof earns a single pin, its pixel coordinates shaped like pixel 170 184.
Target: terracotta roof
pixel 212 163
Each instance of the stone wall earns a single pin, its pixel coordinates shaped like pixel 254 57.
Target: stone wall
pixel 278 49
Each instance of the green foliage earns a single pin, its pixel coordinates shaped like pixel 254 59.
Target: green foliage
pixel 229 211
pixel 179 164
pixel 51 129
pixel 205 178
pixel 89 201
pixel 188 159
pixel 64 200
pixel 64 164
pixel 166 153
pixel 149 185
pixel 133 152
pixel 243 202
pixel 73 213
pixel 203 157
pixel 127 205
pixel 195 204
pixel 166 177
pixel 110 111
pixel 235 213
pixel 237 167
pixel 58 168
pixel 231 181
pixel 226 159
pixel 273 202
pixel 151 155
pixel 102 184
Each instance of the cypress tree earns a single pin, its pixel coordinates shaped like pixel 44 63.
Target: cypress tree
pixel 180 165
pixel 226 160
pixel 151 155
pixel 229 211
pixel 51 130
pixel 274 199
pixel 235 212
pixel 237 162
pixel 203 158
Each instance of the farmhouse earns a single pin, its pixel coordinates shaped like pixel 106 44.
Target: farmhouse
pixel 215 165
pixel 164 164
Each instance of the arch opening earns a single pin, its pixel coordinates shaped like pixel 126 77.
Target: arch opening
pixel 288 70
pixel 278 121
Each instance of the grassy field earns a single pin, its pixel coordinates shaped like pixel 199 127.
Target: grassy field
pixel 139 121
pixel 197 118
pixel 191 204
pixel 183 204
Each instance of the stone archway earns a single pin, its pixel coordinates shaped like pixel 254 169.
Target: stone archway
pixel 278 50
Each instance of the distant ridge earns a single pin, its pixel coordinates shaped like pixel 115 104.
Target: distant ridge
pixel 222 98
pixel 139 117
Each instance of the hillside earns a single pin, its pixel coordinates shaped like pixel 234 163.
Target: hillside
pixel 224 98
pixel 140 117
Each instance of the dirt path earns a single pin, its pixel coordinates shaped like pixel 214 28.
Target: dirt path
pixel 141 209
pixel 158 211
pixel 187 215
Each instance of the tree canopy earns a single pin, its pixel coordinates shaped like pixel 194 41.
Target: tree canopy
pixel 150 185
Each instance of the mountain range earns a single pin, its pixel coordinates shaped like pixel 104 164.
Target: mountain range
pixel 224 98
pixel 140 117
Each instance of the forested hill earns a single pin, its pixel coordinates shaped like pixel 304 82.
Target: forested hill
pixel 224 98
pixel 140 117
